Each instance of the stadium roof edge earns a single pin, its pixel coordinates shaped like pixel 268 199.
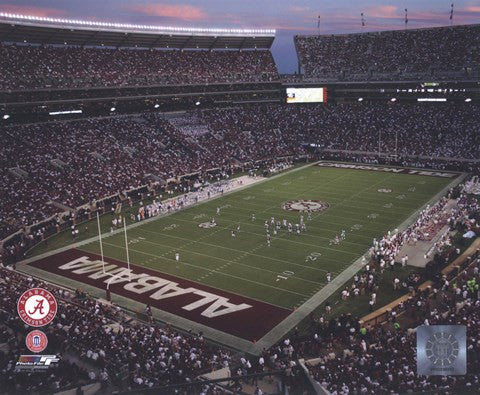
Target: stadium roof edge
pixel 44 30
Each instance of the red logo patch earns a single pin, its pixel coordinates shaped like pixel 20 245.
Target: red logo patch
pixel 37 307
pixel 36 341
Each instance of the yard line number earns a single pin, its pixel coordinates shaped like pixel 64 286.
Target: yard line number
pixel 313 257
pixel 284 275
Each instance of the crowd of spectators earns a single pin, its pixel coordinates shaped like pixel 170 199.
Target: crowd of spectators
pixel 32 67
pixel 407 129
pixel 429 222
pixel 382 359
pixel 97 342
pixel 79 162
pixel 68 164
pixel 438 131
pixel 74 163
pixel 252 133
pixel 391 52
pixel 350 356
pixel 147 355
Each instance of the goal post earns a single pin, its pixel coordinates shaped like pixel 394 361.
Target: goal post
pixel 126 249
pixel 100 241
pixel 112 276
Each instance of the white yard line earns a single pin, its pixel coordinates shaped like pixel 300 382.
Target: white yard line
pixel 335 195
pixel 277 238
pixel 233 249
pixel 244 253
pixel 324 293
pixel 283 230
pixel 208 270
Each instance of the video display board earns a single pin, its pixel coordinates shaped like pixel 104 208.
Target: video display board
pixel 306 95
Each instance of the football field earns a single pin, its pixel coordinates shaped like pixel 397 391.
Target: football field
pixel 363 204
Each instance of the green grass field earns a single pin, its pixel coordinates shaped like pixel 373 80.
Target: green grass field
pixel 294 267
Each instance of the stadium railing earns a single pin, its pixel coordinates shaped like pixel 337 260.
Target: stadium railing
pixel 227 384
pixel 385 154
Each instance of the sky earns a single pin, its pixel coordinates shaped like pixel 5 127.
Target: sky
pixel 288 17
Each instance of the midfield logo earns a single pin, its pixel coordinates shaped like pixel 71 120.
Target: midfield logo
pixel 305 205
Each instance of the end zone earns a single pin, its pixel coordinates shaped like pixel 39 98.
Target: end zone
pixel 236 315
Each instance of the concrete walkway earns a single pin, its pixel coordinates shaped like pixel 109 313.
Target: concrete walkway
pixel 417 253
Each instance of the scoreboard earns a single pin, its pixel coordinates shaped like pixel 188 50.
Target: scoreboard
pixel 306 95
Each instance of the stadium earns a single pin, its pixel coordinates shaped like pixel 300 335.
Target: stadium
pixel 209 225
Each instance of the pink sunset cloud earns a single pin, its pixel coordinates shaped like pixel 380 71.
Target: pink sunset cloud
pixel 383 11
pixel 299 9
pixel 32 10
pixel 178 11
pixel 473 8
